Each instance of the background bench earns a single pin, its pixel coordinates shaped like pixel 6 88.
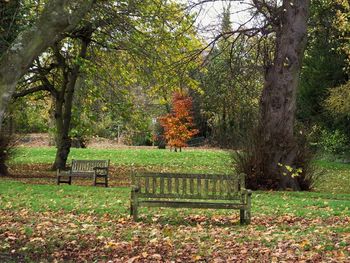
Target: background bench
pixel 86 168
pixel 190 191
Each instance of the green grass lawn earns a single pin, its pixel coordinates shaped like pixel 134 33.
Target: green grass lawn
pixel 205 161
pixel 333 177
pixel 82 199
pixel 45 222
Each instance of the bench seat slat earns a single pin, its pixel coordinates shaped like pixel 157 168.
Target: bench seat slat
pixel 187 196
pixel 184 204
pixel 194 176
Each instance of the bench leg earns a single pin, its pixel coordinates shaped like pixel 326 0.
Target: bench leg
pixel 247 216
pixel 59 181
pixel 242 216
pixel 134 212
pixel 106 181
pixel 94 180
pixel 133 204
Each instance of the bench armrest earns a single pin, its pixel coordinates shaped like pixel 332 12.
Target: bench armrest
pixel 246 195
pixel 100 168
pixel 63 172
pixel 246 191
pixel 101 171
pixel 135 188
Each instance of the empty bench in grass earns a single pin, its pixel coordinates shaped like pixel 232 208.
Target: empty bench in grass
pixel 95 169
pixel 190 191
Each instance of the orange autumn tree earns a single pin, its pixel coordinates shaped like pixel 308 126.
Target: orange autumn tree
pixel 178 125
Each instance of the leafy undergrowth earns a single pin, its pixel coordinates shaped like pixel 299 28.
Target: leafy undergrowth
pixel 78 223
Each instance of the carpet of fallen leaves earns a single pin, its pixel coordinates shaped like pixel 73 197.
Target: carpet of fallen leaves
pixel 61 236
pixel 27 236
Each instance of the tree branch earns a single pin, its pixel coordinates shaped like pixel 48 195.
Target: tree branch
pixel 26 92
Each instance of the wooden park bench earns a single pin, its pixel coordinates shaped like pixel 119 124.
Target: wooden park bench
pixel 86 168
pixel 190 191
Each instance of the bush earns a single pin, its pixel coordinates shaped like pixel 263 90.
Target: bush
pixel 250 161
pixel 333 142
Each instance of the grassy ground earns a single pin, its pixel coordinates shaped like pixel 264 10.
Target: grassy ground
pixel 45 222
pixel 205 161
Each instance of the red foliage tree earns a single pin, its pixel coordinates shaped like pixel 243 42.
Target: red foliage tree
pixel 178 125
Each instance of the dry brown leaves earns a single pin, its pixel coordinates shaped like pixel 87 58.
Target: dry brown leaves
pixel 62 236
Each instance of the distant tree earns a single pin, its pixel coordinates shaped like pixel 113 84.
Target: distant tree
pixel 178 125
pixel 9 16
pixel 231 86
pixel 323 64
pixel 57 17
pixel 342 23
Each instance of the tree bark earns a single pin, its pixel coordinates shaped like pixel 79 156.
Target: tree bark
pixel 278 102
pixel 58 16
pixel 63 116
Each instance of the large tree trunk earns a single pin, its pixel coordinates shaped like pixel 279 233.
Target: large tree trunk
pixel 58 16
pixel 278 102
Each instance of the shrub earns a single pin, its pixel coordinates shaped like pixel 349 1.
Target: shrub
pixel 250 162
pixel 333 142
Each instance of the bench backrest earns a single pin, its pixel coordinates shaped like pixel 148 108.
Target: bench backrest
pixel 189 186
pixel 88 165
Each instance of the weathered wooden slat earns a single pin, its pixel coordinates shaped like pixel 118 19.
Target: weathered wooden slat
pixel 169 185
pixel 184 186
pixel 177 188
pixel 187 196
pixel 154 185
pixel 147 185
pixel 88 165
pixel 162 185
pixel 191 186
pixel 199 187
pixel 214 186
pixel 194 176
pixel 155 203
pixel 206 188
